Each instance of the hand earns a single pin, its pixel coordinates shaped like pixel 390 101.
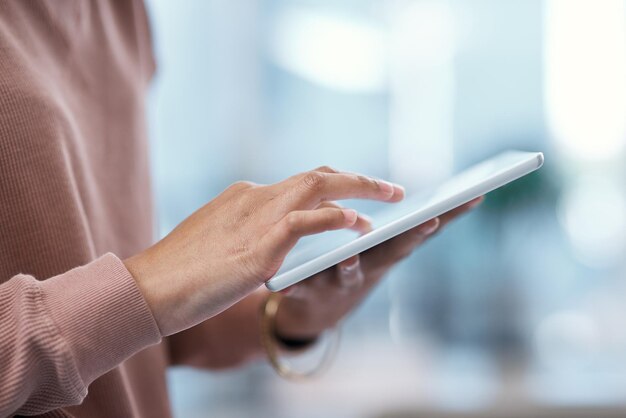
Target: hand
pixel 235 243
pixel 318 303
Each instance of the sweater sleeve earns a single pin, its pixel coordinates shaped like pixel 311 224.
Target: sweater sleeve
pixel 58 335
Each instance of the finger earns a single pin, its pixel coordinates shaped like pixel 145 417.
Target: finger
pixel 313 285
pixel 454 213
pixel 308 222
pixel 296 291
pixel 398 190
pixel 349 273
pixel 394 250
pixel 308 190
pixel 385 255
pixel 363 222
pixel 286 233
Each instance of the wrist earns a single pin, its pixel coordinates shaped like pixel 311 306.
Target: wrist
pixel 273 347
pixel 78 300
pixel 139 267
pixel 293 322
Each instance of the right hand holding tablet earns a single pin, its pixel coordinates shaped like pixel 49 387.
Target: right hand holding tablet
pixel 233 244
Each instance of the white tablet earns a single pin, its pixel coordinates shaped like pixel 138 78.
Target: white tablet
pixel 318 252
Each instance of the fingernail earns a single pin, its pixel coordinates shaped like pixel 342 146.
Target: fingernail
pixel 367 226
pixel 430 226
pixel 400 188
pixel 350 215
pixel 386 187
pixel 288 291
pixel 350 268
pixel 366 218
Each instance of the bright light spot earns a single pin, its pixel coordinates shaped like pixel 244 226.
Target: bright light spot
pixel 329 50
pixel 593 213
pixel 422 34
pixel 607 306
pixel 566 340
pixel 586 76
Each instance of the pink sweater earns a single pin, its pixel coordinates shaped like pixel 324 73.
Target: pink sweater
pixel 75 191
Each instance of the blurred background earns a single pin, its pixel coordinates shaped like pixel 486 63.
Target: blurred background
pixel 518 306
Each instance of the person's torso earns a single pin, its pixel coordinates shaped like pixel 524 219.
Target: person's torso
pixel 74 175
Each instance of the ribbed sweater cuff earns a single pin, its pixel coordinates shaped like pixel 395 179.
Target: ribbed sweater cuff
pixel 101 314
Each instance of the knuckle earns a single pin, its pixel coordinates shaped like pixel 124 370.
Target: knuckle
pixel 367 181
pixel 326 169
pixel 292 222
pixel 242 185
pixel 313 181
pixel 337 217
pixel 332 219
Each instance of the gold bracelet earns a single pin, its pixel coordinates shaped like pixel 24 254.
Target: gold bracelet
pixel 272 349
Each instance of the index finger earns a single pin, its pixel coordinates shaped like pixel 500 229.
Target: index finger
pixel 308 190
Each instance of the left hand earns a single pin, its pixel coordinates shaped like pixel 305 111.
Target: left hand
pixel 318 303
